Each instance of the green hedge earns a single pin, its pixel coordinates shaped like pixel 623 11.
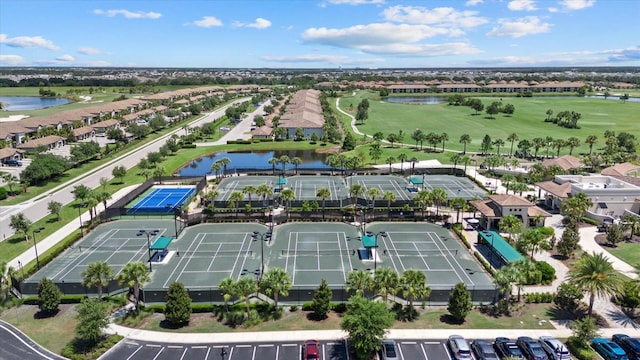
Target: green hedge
pixel 590 221
pixel 76 350
pixel 484 263
pixel 539 298
pixel 188 146
pixel 580 350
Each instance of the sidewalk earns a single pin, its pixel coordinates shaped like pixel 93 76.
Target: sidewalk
pixel 51 240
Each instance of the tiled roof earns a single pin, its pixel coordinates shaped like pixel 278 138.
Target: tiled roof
pixel 559 190
pixel 6 152
pixel 565 162
pixel 620 169
pixel 43 141
pixel 509 200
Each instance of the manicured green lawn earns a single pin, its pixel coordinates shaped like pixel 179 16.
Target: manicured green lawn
pixel 628 252
pixel 598 115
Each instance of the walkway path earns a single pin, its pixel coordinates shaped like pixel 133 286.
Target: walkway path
pixel 241 131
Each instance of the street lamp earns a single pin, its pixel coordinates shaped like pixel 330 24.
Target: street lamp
pixel 375 257
pixel 35 247
pixel 262 237
pixel 21 269
pixel 176 212
pixel 149 233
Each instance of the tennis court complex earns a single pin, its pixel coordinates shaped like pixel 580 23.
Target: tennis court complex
pixel 399 186
pixel 306 187
pixel 238 183
pixel 454 186
pixel 162 198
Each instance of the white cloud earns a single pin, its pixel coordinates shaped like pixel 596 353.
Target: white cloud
pixel 371 34
pixel 128 14
pixel 585 57
pixel 355 2
pixel 442 16
pixel 473 2
pixel 28 42
pixel 320 58
pixel 525 26
pixel 522 5
pixel 207 22
pixel 11 60
pixel 89 51
pixel 577 4
pixel 260 23
pixel 98 63
pixel 422 50
pixel 66 58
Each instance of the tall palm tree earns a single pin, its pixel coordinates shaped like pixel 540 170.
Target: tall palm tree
pixel 464 140
pixel 506 180
pixel 276 281
pixel 234 199
pixel 103 196
pixel 513 137
pixel 523 269
pixel 414 286
pixel 386 282
pixel 389 197
pixel 134 275
pixel 287 195
pixel 455 158
pixel 591 140
pixel 245 287
pixel 5 281
pixel 284 160
pixel 372 194
pixel 413 162
pixel 576 206
pixel 594 273
pixel 510 224
pixel 444 137
pixel 264 191
pixel 296 161
pixel 498 143
pixel 537 144
pixel 359 281
pixel 572 142
pixel 355 191
pixel 215 167
pixel 97 274
pixel 439 197
pixel 273 162
pixel 423 199
pixel 249 190
pixel 390 160
pixel 458 204
pixel 402 157
pixel 224 161
pixel 323 194
pixel 229 290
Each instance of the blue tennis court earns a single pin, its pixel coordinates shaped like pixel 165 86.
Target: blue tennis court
pixel 162 200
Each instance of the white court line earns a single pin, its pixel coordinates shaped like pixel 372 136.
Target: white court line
pixel 146 199
pixel 384 240
pixel 182 259
pixel 421 256
pixel 79 261
pixel 293 281
pixel 286 262
pixel 431 234
pixel 341 257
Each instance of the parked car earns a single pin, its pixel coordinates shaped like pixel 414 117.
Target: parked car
pixel 531 348
pixel 554 348
pixel 630 345
pixel 608 349
pixel 483 350
pixel 507 348
pixel 389 350
pixel 459 347
pixel 12 163
pixel 311 350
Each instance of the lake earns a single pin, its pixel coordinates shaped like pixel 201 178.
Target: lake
pixel 253 160
pixel 21 103
pixel 416 100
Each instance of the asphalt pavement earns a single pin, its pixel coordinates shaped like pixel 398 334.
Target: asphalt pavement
pixel 15 345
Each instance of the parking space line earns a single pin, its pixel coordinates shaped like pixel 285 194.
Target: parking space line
pixel 208 352
pixel 399 352
pixel 153 345
pixel 184 353
pixel 243 346
pixel 199 347
pixel 266 345
pixel 253 356
pixel 175 347
pixel 424 352
pixel 158 354
pixel 138 349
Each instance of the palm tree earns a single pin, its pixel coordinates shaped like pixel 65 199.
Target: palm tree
pixel 594 273
pixel 402 157
pixel 276 281
pixel 284 160
pixel 385 282
pixel 537 144
pixel 287 195
pixel 264 191
pixel 5 281
pixel 510 224
pixel 215 167
pixel 464 140
pixel 372 194
pixel 235 199
pixel 229 290
pixel 413 162
pixel 134 275
pixel 97 274
pixel 224 161
pixel 498 143
pixel 591 140
pixel 506 180
pixel 414 286
pixel 548 142
pixel 245 287
pixel 444 137
pixel 11 180
pixel 249 190
pixel 323 194
pixel 458 204
pixel 273 162
pixel 103 196
pixel 572 142
pixel 296 161
pixel 389 197
pixel 423 199
pixel 465 160
pixel 439 197
pixel 355 191
pixel 576 206
pixel 455 158
pixel 513 137
pixel 390 160
pixel 359 281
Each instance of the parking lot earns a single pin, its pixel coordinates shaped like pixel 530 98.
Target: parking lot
pixel 409 349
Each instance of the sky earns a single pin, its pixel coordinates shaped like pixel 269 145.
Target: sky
pixel 320 33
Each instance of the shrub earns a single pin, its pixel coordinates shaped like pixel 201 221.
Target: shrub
pixel 3 193
pixel 307 306
pixel 202 308
pixel 579 349
pixel 339 307
pixel 484 263
pixel 630 298
pixel 293 308
pixel 538 298
pixel 547 271
pixel 590 221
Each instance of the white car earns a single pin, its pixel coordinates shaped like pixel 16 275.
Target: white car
pixel 555 349
pixel 389 350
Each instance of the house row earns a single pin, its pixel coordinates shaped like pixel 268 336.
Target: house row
pixel 302 111
pixel 490 87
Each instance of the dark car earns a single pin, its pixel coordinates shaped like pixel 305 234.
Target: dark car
pixel 12 163
pixel 608 349
pixel 630 345
pixel 483 350
pixel 506 348
pixel 531 348
pixel 311 350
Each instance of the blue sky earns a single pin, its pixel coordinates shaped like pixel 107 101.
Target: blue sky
pixel 320 33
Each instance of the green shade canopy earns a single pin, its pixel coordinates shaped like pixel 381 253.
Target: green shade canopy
pixel 162 243
pixel 500 245
pixel 281 181
pixel 369 241
pixel 415 180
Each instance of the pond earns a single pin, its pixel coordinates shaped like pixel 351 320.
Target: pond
pixel 20 103
pixel 415 100
pixel 254 160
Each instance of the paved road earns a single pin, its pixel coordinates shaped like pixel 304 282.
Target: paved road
pixel 36 209
pixel 14 345
pixel 408 349
pixel 241 130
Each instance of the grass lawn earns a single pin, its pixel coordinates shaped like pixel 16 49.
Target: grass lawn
pixel 628 252
pixel 52 333
pixel 598 115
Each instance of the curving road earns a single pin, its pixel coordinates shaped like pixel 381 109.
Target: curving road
pixel 35 209
pixel 15 345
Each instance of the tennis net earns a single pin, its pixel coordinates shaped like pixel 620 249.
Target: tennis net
pixel 214 254
pixel 317 252
pixel 437 252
